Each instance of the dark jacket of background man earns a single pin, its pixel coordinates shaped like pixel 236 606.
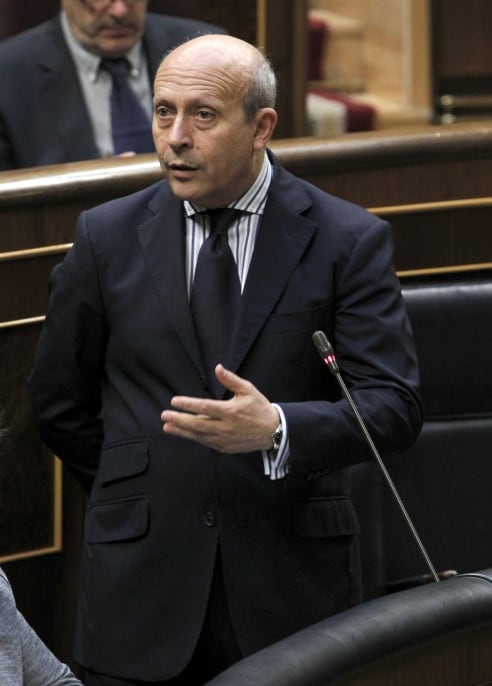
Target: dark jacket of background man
pixel 43 117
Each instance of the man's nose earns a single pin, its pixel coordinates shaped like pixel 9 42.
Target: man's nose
pixel 179 133
pixel 118 8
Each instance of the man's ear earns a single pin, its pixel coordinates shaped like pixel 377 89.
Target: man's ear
pixel 266 121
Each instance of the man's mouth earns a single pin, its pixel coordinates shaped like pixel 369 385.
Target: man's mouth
pixel 117 30
pixel 180 166
pixel 181 171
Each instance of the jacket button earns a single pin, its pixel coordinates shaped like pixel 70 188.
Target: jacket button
pixel 210 519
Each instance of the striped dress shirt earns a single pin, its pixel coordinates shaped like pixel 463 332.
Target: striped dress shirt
pixel 241 236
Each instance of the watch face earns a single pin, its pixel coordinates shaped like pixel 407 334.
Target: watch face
pixel 277 437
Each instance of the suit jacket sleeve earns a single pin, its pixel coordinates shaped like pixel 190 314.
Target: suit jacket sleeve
pixel 373 342
pixel 66 381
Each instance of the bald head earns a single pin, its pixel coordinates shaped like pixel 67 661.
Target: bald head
pixel 213 117
pixel 226 48
pixel 250 73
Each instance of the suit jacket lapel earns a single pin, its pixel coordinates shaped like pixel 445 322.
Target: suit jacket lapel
pixel 163 243
pixel 153 42
pixel 59 86
pixel 282 238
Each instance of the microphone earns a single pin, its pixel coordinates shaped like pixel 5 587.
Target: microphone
pixel 327 354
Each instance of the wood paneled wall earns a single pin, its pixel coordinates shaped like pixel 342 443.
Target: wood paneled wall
pixel 432 183
pixel 461 65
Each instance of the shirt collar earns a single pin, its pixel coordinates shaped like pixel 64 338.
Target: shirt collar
pixel 252 201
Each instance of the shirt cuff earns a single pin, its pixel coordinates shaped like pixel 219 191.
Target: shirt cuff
pixel 275 462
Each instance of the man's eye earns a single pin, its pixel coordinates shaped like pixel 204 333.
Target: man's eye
pixel 162 111
pixel 204 114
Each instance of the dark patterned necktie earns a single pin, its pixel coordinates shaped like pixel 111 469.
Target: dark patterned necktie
pixel 215 293
pixel 130 126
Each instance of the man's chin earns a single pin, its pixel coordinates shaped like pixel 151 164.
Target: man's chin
pixel 186 191
pixel 181 189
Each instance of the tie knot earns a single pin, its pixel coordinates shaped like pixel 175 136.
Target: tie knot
pixel 118 68
pixel 221 218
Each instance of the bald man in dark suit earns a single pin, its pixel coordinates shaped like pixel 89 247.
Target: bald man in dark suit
pixel 219 519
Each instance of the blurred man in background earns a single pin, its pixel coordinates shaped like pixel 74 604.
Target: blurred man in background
pixel 79 86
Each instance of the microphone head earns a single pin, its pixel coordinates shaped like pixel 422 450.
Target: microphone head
pixel 322 344
pixel 326 352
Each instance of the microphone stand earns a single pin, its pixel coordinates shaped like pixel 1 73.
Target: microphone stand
pixel 327 354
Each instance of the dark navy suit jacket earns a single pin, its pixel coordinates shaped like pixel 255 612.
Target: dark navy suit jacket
pixel 43 117
pixel 119 342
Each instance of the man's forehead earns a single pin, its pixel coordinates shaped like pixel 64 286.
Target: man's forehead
pixel 219 51
pixel 200 81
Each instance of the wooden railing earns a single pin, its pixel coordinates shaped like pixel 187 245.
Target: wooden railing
pixel 428 181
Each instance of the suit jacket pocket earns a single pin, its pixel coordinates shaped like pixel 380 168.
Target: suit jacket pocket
pixel 123 460
pixel 297 321
pixel 325 517
pixel 118 520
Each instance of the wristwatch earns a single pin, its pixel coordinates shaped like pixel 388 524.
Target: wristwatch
pixel 277 437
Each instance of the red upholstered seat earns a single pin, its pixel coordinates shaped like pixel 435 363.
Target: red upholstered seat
pixel 318 39
pixel 358 116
